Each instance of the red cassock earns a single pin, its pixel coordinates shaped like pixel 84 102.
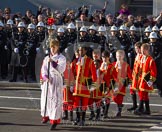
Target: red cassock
pixel 106 79
pixel 124 74
pixel 68 82
pixel 85 73
pixel 136 74
pixel 149 73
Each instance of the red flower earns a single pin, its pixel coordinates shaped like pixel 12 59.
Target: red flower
pixel 50 21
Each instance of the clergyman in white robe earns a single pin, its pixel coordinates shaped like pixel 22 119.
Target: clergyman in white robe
pixel 55 86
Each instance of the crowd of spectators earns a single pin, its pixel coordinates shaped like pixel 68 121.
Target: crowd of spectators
pixel 83 13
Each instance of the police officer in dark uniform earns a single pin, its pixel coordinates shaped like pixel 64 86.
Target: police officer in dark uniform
pixel 61 36
pixel 133 39
pixel 71 33
pixel 102 39
pixel 124 40
pixel 3 52
pixel 40 32
pixel 156 53
pixel 93 34
pixel 146 35
pixel 93 37
pixel 51 31
pixel 113 42
pixel 19 54
pixel 84 37
pixel 31 49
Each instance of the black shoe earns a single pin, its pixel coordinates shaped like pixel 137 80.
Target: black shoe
pixel 65 118
pixel 91 117
pixel 131 109
pixel 82 123
pixel 25 81
pixel 53 126
pixel 118 114
pixel 76 122
pixel 138 112
pixel 12 80
pixel 146 113
pixel 97 118
pixel 105 116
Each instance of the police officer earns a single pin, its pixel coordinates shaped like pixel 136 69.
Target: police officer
pixel 3 52
pixel 124 40
pixel 19 54
pixel 133 38
pixel 93 34
pixel 156 53
pixel 84 37
pixel 40 32
pixel 102 38
pixel 147 32
pixel 10 29
pixel 61 36
pixel 71 33
pixel 51 35
pixel 113 42
pixel 31 49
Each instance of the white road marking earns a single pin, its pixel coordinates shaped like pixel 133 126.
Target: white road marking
pixel 29 98
pixel 13 108
pixel 13 97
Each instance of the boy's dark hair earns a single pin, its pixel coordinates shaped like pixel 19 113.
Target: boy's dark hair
pixel 105 53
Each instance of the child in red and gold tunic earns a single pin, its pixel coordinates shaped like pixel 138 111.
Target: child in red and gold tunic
pixel 124 74
pixel 147 78
pixel 135 76
pixel 68 91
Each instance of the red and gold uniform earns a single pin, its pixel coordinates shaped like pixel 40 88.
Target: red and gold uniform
pixel 68 83
pixel 149 72
pixel 107 76
pixel 96 94
pixel 136 74
pixel 86 72
pixel 123 74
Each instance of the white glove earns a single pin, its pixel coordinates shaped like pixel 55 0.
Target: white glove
pixel 82 61
pixel 116 90
pixel 149 83
pixel 111 55
pixel 16 50
pixel 129 54
pixel 5 47
pixel 129 85
pixel 71 89
pixel 46 52
pixel 92 89
pixel 27 52
pixel 105 66
pixel 37 50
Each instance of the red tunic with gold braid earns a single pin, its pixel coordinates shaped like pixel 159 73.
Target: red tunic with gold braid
pixel 97 94
pixel 107 76
pixel 68 82
pixel 85 72
pixel 149 73
pixel 123 74
pixel 136 73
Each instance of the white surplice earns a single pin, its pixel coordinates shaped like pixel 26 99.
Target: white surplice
pixel 55 86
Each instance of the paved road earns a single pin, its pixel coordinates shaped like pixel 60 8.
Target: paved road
pixel 19 111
